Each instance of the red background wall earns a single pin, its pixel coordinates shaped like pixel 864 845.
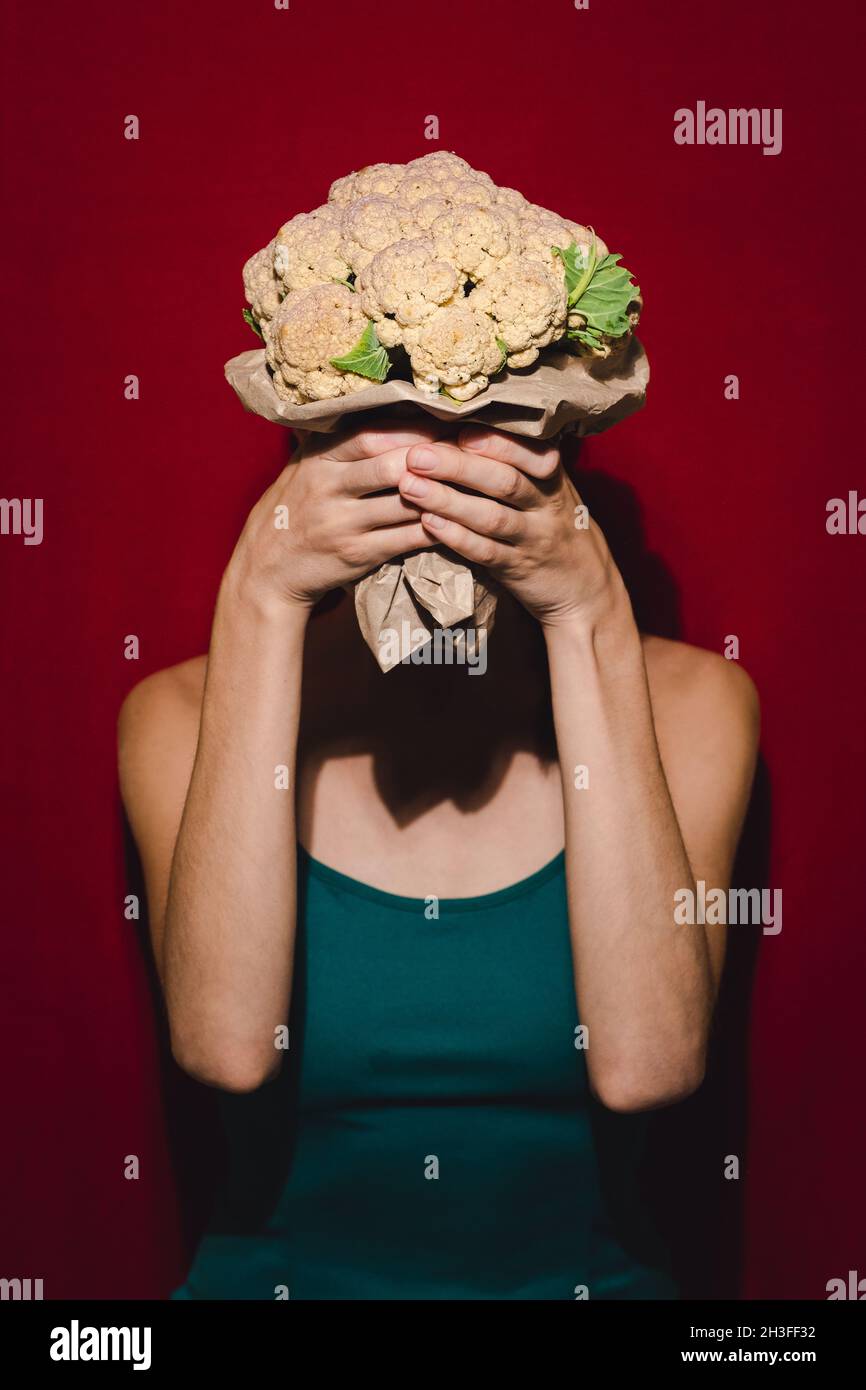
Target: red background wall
pixel 125 257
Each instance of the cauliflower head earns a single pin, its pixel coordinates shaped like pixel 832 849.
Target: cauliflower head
pixel 431 270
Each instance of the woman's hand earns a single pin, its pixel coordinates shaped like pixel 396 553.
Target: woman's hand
pixel 528 526
pixel 333 515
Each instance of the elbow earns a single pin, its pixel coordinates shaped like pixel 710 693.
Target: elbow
pixel 627 1092
pixel 235 1072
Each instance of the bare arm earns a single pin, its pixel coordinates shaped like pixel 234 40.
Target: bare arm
pixel 217 832
pixel 644 828
pixel 650 820
pixel 227 948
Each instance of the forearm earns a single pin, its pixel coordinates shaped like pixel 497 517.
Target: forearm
pixel 229 931
pixel 643 983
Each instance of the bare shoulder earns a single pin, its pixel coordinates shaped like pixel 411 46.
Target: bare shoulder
pixel 707 719
pixel 157 730
pixel 167 699
pixel 694 685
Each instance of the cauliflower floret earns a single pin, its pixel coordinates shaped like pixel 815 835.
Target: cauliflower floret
pixel 443 166
pixel 528 304
pixel 427 210
pixel 374 180
pixel 511 198
pixel 472 238
pixel 439 164
pixel 456 347
pixel 342 190
pixel 414 187
pixel 307 249
pixel 288 393
pixel 472 189
pixel 309 329
pixel 371 224
pixel 540 229
pixel 377 180
pixel 389 332
pixel 538 233
pixel 458 187
pixel 584 238
pixel 405 283
pixel 512 220
pixel 262 290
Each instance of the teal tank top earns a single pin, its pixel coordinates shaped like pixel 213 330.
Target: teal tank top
pixel 431 1134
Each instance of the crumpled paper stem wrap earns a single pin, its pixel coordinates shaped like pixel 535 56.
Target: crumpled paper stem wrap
pixel 400 605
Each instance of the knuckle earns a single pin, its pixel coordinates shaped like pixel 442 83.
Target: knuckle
pixel 391 468
pixel 312 520
pixel 486 553
pixel 349 551
pixel 416 539
pixel 547 463
pixel 381 471
pixel 369 441
pixel 495 444
pixel 511 484
pixel 440 498
pixel 455 465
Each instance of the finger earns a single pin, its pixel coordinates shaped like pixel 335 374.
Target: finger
pixel 537 457
pixel 481 549
pixel 376 474
pixel 473 470
pixel 480 514
pixel 394 541
pixel 369 512
pixel 375 437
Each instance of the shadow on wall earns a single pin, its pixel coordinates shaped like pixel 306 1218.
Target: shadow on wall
pixel 616 508
pixel 690 1144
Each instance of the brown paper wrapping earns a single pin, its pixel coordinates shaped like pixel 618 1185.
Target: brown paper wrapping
pixel 403 602
pixel 410 599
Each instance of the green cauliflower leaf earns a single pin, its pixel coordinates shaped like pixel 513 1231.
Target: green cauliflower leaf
pixel 600 290
pixel 368 358
pixel 578 268
pixel 250 318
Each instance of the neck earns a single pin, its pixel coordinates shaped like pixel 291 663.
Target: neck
pixel 445 705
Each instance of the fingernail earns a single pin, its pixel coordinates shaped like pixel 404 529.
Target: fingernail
pixel 435 522
pixel 424 458
pixel 414 487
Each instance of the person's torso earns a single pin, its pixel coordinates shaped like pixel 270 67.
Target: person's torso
pixel 432 1134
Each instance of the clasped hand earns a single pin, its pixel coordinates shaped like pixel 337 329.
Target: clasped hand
pixel 349 504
